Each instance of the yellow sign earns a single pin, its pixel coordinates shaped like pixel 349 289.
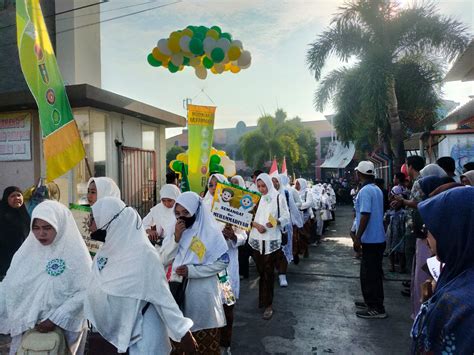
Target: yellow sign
pixel 198 247
pixel 235 205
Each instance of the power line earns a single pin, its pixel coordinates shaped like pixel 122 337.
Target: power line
pixel 62 12
pixel 103 21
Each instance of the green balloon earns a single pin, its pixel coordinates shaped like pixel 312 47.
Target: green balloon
pixel 185 61
pixel 220 169
pixel 217 29
pixel 172 68
pixel 195 46
pixel 226 35
pixel 215 160
pixel 207 62
pixel 176 165
pixel 217 55
pixel 152 61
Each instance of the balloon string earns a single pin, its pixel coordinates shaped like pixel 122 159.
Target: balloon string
pixel 205 93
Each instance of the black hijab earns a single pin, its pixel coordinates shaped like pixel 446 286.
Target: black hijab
pixel 14 228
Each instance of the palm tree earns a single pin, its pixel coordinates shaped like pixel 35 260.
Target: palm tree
pixel 380 34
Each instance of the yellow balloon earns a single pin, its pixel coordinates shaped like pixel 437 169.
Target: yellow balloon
pixel 221 153
pixel 213 34
pixel 228 66
pixel 188 32
pixel 158 55
pixel 214 71
pixel 182 157
pixel 173 44
pixel 234 53
pixel 195 61
pixel 213 151
pixel 235 69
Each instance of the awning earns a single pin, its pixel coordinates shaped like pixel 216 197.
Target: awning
pixel 463 114
pixel 339 155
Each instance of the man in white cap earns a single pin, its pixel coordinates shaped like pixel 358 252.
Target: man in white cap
pixel 370 237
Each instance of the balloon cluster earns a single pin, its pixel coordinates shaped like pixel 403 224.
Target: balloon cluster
pixel 203 49
pixel 219 162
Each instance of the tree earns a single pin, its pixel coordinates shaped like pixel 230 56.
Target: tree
pixel 172 153
pixel 381 36
pixel 278 137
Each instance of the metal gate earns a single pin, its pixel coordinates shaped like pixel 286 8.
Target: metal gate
pixel 138 178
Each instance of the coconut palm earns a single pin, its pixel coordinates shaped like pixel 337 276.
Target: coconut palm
pixel 379 35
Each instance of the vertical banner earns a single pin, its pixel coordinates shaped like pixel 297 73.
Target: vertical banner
pixel 200 135
pixel 63 147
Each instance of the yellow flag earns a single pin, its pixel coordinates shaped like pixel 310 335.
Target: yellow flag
pixel 198 247
pixel 272 220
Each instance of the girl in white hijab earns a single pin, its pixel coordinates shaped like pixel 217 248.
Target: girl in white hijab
pixel 306 232
pixel 433 170
pixel 199 251
pixel 160 221
pixel 265 238
pixel 99 187
pixel 45 285
pixel 128 299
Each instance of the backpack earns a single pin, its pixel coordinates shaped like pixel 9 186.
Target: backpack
pixel 36 343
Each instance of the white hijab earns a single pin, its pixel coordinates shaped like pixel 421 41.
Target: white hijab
pixel 128 265
pixel 268 204
pixel 240 179
pixel 295 213
pixel 303 188
pixel 205 228
pixel 433 170
pixel 163 216
pixel 47 282
pixel 105 187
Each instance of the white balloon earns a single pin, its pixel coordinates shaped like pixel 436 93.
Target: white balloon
pixel 177 59
pixel 184 43
pixel 209 44
pixel 245 59
pixel 224 44
pixel 237 43
pixel 201 72
pixel 163 46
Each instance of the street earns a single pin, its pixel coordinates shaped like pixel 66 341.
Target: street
pixel 316 313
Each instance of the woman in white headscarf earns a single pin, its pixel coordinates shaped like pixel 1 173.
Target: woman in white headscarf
pixel 198 252
pixel 45 285
pixel 296 221
pixel 160 221
pixel 265 238
pixel 433 170
pixel 128 299
pixel 99 187
pixel 306 232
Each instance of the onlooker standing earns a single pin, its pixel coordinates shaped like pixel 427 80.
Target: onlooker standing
pixel 371 238
pixel 14 226
pixel 449 166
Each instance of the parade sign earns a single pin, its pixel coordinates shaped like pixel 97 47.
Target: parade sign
pixel 235 205
pixel 200 135
pixel 62 144
pixel 82 217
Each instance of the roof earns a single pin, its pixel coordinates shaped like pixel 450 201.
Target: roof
pixel 463 67
pixel 463 113
pixel 85 95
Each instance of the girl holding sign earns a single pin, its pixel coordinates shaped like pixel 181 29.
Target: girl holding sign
pixel 265 238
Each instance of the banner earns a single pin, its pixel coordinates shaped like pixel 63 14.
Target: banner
pixel 82 215
pixel 235 205
pixel 62 143
pixel 200 135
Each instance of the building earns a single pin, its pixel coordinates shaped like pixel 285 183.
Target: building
pixel 124 138
pixel 227 139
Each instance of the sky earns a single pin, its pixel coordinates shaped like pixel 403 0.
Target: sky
pixel 276 32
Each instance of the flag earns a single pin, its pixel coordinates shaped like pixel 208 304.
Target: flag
pixel 200 136
pixel 274 168
pixel 284 171
pixel 62 144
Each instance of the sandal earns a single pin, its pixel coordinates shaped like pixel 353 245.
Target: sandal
pixel 267 315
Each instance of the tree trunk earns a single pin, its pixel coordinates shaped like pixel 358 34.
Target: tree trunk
pixel 396 138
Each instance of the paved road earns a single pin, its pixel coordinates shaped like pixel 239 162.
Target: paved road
pixel 315 314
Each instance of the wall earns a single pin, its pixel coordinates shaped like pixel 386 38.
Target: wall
pixel 24 173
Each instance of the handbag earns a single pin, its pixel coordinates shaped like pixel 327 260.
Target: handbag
pixel 35 343
pixel 284 235
pixel 178 290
